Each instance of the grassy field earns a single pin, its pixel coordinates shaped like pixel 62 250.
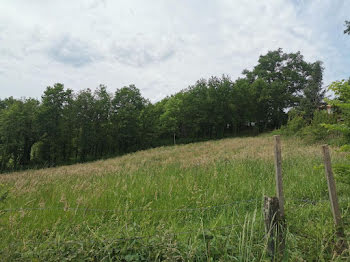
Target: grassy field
pixel 195 202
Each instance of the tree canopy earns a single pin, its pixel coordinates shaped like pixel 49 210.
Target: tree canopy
pixel 68 127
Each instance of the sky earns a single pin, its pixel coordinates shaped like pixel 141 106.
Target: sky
pixel 161 46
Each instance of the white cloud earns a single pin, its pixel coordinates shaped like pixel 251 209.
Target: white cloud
pixel 161 46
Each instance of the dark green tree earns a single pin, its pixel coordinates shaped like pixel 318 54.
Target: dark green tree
pixel 84 112
pixel 244 105
pixel 51 120
pixel 2 105
pixel 194 110
pixel 17 133
pixel 286 76
pixel 102 123
pixel 171 118
pixel 313 93
pixel 221 110
pixel 150 126
pixel 127 105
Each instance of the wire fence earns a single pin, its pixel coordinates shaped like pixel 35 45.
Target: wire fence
pixel 120 239
pixel 20 209
pixel 140 237
pixel 114 240
pixel 157 234
pixel 301 200
pixel 149 236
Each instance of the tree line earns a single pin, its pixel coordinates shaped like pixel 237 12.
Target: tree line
pixel 66 127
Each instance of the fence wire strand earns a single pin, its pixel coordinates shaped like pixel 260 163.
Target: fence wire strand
pixel 120 239
pixel 128 210
pixel 158 234
pixel 21 209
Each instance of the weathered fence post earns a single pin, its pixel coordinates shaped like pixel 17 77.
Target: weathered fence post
pixel 333 198
pixel 274 211
pixel 278 168
pixel 273 227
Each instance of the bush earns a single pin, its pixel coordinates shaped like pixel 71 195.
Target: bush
pixel 295 123
pixel 294 126
pixel 315 131
pixel 37 153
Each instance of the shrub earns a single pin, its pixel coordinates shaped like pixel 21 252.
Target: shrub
pixel 316 131
pixel 295 123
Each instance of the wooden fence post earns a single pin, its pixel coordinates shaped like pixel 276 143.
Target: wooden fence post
pixel 278 168
pixel 274 230
pixel 333 198
pixel 274 211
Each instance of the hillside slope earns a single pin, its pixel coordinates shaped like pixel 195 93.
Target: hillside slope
pixel 186 202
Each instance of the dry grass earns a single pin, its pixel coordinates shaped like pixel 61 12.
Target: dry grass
pixel 187 156
pixel 182 176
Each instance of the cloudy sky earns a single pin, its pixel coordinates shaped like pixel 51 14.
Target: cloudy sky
pixel 161 46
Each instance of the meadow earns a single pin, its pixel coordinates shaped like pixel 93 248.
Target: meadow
pixel 194 202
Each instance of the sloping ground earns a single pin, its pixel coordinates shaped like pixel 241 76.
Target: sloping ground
pixel 187 202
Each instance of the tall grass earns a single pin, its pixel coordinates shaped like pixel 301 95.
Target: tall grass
pixel 195 202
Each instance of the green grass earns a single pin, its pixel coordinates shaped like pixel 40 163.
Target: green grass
pixel 195 202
